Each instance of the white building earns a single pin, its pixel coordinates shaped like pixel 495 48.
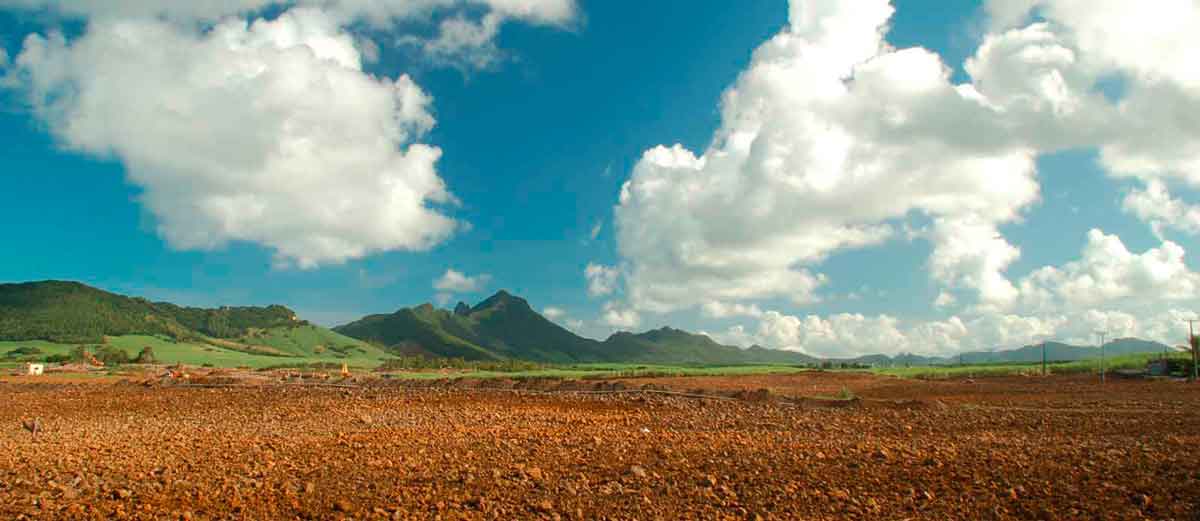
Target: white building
pixel 35 369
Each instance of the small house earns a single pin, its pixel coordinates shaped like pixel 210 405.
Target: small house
pixel 35 369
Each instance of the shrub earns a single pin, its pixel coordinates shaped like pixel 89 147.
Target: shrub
pixel 112 356
pixel 146 356
pixel 23 351
pixel 845 394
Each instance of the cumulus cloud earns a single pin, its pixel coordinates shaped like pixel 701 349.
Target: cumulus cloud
pixel 829 140
pixel 602 280
pixel 267 132
pixel 1107 289
pixel 1108 273
pixel 717 309
pixel 463 39
pixel 1148 49
pixel 832 140
pixel 379 12
pixel 454 281
pixel 1155 205
pixel 618 316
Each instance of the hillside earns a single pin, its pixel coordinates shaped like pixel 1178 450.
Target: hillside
pixel 72 313
pixel 499 328
pixel 507 327
pixel 673 346
pixel 1057 351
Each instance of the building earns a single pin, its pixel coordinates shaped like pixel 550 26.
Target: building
pixel 35 369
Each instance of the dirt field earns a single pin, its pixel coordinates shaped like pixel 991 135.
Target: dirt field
pixel 1059 448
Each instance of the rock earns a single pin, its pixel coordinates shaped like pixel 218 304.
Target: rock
pixel 342 505
pixel 535 474
pixel 637 471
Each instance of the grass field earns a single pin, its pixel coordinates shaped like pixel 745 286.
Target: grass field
pixel 608 371
pixel 171 352
pixel 303 346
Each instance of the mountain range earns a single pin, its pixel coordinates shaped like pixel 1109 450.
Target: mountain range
pixel 502 327
pixel 505 326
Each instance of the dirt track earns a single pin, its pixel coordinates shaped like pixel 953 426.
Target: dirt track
pixel 989 449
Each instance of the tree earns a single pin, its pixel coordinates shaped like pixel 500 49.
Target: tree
pixel 146 356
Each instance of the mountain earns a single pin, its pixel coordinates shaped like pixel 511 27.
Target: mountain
pixel 74 313
pixel 507 327
pixel 1060 352
pixel 499 328
pixel 673 346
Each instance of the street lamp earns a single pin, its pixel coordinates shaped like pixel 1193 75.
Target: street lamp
pixel 1102 335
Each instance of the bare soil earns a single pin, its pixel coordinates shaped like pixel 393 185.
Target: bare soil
pixel 993 448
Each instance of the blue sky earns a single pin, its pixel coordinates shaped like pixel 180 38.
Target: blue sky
pixel 535 150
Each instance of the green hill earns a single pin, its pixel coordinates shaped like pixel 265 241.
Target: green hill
pixel 1057 351
pixel 505 327
pixel 502 327
pixel 70 313
pixel 673 346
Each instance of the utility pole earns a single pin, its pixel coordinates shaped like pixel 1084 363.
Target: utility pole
pixel 1043 357
pixel 1192 343
pixel 1102 335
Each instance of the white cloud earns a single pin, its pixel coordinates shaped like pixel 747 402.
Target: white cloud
pixel 828 141
pixel 554 313
pixel 379 12
pixel 602 280
pixel 462 41
pixel 268 133
pixel 615 315
pixel 832 140
pixel 716 309
pixel 596 229
pixel 1154 205
pixel 944 300
pixel 849 335
pixel 454 281
pixel 1108 274
pixel 1108 289
pixel 1146 47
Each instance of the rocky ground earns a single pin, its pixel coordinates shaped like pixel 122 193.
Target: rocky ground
pixel 1003 448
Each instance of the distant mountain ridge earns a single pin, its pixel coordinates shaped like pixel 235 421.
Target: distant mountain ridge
pixel 502 327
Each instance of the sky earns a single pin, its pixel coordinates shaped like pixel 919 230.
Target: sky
pixel 827 176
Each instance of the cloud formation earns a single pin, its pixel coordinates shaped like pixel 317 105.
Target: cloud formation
pixel 454 281
pixel 263 131
pixel 828 140
pixel 1108 289
pixel 833 140
pixel 602 280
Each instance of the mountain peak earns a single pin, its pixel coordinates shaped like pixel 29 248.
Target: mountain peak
pixel 462 309
pixel 502 299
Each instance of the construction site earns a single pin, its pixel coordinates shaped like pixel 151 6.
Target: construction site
pixel 199 444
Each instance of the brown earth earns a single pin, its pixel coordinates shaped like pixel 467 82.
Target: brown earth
pixel 996 448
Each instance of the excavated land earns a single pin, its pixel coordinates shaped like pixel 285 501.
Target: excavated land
pixel 757 447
